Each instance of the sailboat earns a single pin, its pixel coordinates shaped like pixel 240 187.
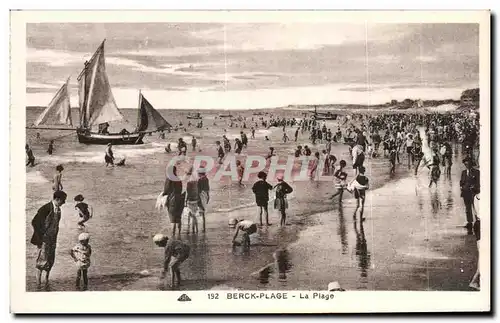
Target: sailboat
pixel 57 112
pixel 98 108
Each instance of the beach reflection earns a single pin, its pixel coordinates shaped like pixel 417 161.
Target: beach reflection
pixel 362 249
pixel 341 231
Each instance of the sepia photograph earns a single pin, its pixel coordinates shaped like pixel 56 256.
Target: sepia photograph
pixel 290 157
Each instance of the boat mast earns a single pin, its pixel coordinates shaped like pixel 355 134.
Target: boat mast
pixel 83 74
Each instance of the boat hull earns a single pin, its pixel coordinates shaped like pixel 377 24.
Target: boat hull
pixel 92 138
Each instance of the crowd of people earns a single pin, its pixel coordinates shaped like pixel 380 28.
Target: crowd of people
pixel 425 140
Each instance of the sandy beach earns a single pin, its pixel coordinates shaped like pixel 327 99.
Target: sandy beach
pixel 412 238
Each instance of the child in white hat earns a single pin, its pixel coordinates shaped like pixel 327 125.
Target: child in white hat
pixel 173 249
pixel 81 255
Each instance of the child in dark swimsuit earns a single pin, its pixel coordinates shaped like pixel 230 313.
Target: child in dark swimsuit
pixel 83 210
pixel 435 171
pixel 360 193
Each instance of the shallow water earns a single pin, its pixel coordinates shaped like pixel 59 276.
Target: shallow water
pixel 388 251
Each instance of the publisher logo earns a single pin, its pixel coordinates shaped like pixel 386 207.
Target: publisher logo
pixel 184 298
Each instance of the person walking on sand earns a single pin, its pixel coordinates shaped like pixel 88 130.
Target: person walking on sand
pixel 57 180
pixel 193 143
pixel 247 227
pixel 297 134
pixel 81 255
pixel 359 186
pixel 109 158
pixel 281 203
pixel 204 194
pixel 240 170
pixel 50 150
pixel 31 157
pixel 469 188
pixel 83 211
pixel 220 152
pixel 175 199
pixel 340 181
pixel 435 171
pixel 244 139
pixel 192 199
pixel 313 171
pixel 45 229
pixel 261 190
pixel 176 252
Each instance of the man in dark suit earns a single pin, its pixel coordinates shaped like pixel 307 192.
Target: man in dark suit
pixel 469 186
pixel 46 227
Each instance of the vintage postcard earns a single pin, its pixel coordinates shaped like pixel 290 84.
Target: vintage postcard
pixel 250 162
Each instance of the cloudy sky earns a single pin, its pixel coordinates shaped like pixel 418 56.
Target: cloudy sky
pixel 258 65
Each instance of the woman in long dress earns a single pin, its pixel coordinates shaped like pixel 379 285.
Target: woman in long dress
pixel 175 199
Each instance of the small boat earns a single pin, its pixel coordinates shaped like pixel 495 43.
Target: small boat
pixel 324 115
pixel 225 115
pixel 194 116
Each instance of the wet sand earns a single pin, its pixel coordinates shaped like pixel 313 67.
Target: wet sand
pixel 412 239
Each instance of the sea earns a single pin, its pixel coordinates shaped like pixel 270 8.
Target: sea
pixel 408 241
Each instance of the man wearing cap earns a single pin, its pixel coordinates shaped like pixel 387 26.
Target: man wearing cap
pixel 469 187
pixel 45 229
pixel 175 249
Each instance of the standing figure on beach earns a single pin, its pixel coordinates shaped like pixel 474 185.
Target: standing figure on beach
pixel 359 186
pixel 238 146
pixel 247 227
pixel 57 180
pixel 469 188
pixel 109 157
pixel 244 139
pixel 168 150
pixel 340 181
pixel 285 137
pixel 446 157
pixel 220 152
pixel 176 252
pixel 204 194
pixel 81 255
pixel 240 170
pixel 30 156
pixel 193 143
pixel 297 134
pixel 45 229
pixel 227 144
pixel 253 133
pixel 409 150
pixel 281 203
pixel 83 211
pixel 181 147
pixel 261 190
pixel 435 171
pixel 175 199
pixel 313 170
pixel 50 150
pixel 192 200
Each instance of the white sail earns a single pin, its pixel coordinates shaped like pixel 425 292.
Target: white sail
pixel 58 112
pixel 100 105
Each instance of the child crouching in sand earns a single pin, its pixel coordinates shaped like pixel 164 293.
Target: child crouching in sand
pixel 175 249
pixel 247 227
pixel 83 210
pixel 81 255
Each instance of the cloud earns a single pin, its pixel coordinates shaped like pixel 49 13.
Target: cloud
pixel 427 59
pixel 250 57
